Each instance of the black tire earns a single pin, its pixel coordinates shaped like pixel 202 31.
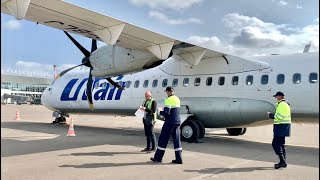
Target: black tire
pixel 234 131
pixel 244 130
pixel 202 130
pixel 189 131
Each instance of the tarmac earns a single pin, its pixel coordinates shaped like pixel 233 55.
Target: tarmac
pixel 108 147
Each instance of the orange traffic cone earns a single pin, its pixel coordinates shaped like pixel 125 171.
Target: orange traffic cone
pixel 17 115
pixel 71 129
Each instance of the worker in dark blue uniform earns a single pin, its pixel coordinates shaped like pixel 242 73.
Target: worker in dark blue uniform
pixel 281 128
pixel 171 126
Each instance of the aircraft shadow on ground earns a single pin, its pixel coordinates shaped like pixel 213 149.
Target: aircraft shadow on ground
pixel 92 136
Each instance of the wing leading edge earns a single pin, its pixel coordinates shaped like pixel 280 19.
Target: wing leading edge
pixel 68 17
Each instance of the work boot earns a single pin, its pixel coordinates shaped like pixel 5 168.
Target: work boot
pixel 145 150
pixel 177 161
pixel 153 149
pixel 155 160
pixel 282 162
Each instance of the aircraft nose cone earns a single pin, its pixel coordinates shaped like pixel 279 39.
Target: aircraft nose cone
pixel 45 97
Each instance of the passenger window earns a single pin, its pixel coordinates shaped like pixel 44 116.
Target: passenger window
pixel 175 82
pixel 296 78
pixel 155 83
pixel 221 80
pixel 145 83
pixel 197 81
pixel 264 79
pixel 128 84
pixel 313 77
pixel 235 80
pixel 185 82
pixel 165 83
pixel 280 78
pixel 209 81
pixel 249 80
pixel 136 84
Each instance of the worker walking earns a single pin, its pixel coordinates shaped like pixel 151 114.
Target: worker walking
pixel 149 105
pixel 281 128
pixel 171 126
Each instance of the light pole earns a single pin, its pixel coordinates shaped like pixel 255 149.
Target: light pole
pixel 54 69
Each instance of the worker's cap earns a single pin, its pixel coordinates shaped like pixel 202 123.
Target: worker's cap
pixel 169 88
pixel 279 93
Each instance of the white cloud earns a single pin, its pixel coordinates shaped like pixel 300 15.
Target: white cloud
pixel 163 18
pixel 251 36
pixel 167 4
pixel 299 6
pixel 282 3
pixel 316 20
pixel 29 66
pixel 12 25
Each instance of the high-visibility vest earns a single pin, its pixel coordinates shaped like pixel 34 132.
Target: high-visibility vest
pixel 172 102
pixel 149 106
pixel 283 113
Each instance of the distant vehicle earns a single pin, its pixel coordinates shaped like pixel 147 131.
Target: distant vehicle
pixel 37 101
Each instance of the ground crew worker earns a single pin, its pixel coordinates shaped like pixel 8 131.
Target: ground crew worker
pixel 281 128
pixel 171 126
pixel 149 105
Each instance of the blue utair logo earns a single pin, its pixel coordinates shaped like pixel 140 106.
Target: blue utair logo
pixel 100 94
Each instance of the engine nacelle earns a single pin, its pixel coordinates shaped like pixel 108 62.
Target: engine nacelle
pixel 109 61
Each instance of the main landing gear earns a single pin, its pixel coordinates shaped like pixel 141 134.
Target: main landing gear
pixel 236 131
pixel 192 130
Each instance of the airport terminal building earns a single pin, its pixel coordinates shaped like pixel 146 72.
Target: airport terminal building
pixel 24 87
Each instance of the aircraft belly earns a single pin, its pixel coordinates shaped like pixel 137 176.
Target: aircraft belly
pixel 220 112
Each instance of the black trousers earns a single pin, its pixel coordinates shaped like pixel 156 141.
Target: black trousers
pixel 278 144
pixel 151 137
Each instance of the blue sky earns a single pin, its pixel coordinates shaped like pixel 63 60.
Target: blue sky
pixel 243 28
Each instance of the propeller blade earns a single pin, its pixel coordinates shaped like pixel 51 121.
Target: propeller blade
pixel 94 45
pixel 85 52
pixel 114 83
pixel 65 71
pixel 89 90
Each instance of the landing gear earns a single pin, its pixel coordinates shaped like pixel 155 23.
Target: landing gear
pixel 192 130
pixel 236 131
pixel 60 120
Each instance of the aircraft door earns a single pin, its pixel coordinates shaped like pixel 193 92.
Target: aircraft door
pixel 263 83
pixel 232 110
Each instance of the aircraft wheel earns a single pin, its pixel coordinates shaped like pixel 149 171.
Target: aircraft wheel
pixel 234 131
pixel 189 131
pixel 202 129
pixel 244 130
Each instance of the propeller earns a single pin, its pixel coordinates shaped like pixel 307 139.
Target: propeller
pixel 86 62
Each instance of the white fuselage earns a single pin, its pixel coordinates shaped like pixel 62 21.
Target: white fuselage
pixel 229 105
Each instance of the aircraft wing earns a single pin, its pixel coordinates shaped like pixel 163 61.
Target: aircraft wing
pixel 68 17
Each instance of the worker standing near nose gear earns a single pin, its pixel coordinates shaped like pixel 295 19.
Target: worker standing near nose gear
pixel 281 128
pixel 171 126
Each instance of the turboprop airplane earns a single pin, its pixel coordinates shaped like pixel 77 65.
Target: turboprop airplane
pixel 217 90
